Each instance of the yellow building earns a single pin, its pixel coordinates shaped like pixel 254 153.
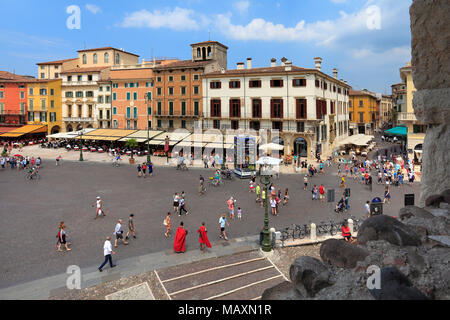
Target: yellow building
pixel 45 104
pixel 363 110
pixel 407 118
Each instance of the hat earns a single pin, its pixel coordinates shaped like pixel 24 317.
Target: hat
pixel 98 197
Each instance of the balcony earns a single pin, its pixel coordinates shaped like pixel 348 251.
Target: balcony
pixel 79 83
pixel 77 119
pixel 175 115
pixel 406 116
pixel 12 113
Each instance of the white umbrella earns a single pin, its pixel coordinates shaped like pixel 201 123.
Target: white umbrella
pixel 268 161
pixel 271 146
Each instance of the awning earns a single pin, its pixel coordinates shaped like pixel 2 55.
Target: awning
pixel 141 135
pixel 106 134
pixel 6 129
pixel 190 144
pixel 27 129
pixel 357 140
pixel 70 135
pixel 216 145
pixel 398 131
pixel 174 138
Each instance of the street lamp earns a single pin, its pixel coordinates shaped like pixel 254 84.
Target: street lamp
pixel 265 174
pixel 223 152
pixel 81 147
pixel 148 101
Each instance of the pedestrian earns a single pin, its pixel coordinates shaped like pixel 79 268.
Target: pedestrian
pixel 201 187
pixel 179 245
pixel 118 232
pixel 258 192
pixel 181 207
pixel 251 186
pixel 203 238
pixel 230 204
pixel 239 213
pixel 62 237
pixel 168 224
pixel 263 197
pixel 343 182
pixel 144 170
pixel 58 158
pixel 322 193
pixel 314 192
pixel 139 169
pixel 205 161
pixel 367 209
pixel 150 169
pixel 305 182
pixel 369 182
pixel 107 251
pixel 176 201
pixel 286 197
pixel 222 223
pixel 346 232
pixel 131 227
pixel 273 205
pixel 100 210
pixel 387 195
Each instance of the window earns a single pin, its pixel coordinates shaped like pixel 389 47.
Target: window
pixel 114 96
pixel 339 90
pixel 69 78
pixel 301 109
pixel 80 78
pixel 135 113
pixel 235 108
pixel 254 84
pixel 52 103
pixel 196 108
pixel 256 108
pixel 183 90
pixel 276 83
pixel 325 86
pixel 276 125
pixel 170 91
pixel 30 92
pixel 196 76
pixel 79 94
pixel 100 99
pixel 90 94
pixel 235 84
pixel 149 111
pixel 159 79
pixel 332 107
pixel 128 112
pixel 115 124
pixel 171 108
pixel 106 57
pixel 42 75
pixel 131 84
pixel 69 94
pixel 183 78
pixel 30 116
pixel 107 99
pixel 299 83
pixel 56 75
pixel 350 103
pixel 321 109
pixel 216 108
pixel 80 110
pixel 216 124
pixel 95 58
pixel 276 108
pixel 234 125
pixel 158 91
pixel 90 111
pixel 334 88
pixel 52 116
pixel 183 124
pixel 159 124
pixel 317 84
pixel 171 124
pixel 149 96
pixel 300 127
pixel 52 92
pixel 183 108
pixel 196 90
pixel 101 89
pixel 101 114
pixel 215 85
pixel 128 96
pixel 170 78
pixel 114 111
pixel 84 59
pixel 361 103
pixel 159 109
pixel 89 77
pixel 126 84
pixel 22 95
pixel 117 58
pixel 43 92
pixel 137 84
pixel 31 103
pixel 42 68
pixel 255 125
pixel 135 96
pixel 361 117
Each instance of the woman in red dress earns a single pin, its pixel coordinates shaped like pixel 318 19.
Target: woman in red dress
pixel 179 245
pixel 203 238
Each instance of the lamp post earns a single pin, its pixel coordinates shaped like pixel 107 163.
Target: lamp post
pixel 81 147
pixel 148 101
pixel 223 151
pixel 266 172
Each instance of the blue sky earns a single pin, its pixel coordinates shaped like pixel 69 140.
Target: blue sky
pixel 367 40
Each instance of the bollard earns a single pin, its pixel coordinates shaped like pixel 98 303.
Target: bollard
pixel 350 225
pixel 313 232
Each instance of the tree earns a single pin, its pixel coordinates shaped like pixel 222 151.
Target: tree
pixel 131 144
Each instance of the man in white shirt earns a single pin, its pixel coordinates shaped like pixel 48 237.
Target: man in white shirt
pixel 367 208
pixel 107 252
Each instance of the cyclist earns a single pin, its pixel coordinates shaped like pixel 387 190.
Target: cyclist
pixel 116 160
pixel 217 178
pixel 32 171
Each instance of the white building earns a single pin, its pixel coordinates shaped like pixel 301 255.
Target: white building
pixel 307 106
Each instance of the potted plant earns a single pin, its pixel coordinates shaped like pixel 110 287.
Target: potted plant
pixel 131 144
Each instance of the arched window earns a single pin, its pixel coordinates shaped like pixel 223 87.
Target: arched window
pixel 135 113
pixel 199 53
pixel 209 52
pixel 128 112
pixel 115 124
pixel 117 58
pixel 84 59
pixel 95 58
pixel 106 59
pixel 114 110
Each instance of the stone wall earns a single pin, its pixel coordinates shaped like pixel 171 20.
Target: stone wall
pixel 431 73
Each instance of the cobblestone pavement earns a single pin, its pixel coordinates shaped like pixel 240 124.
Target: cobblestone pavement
pixel 31 211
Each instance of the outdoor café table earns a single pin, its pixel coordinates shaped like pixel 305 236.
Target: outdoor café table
pixel 76 148
pixel 100 150
pixel 128 153
pixel 93 149
pixel 85 149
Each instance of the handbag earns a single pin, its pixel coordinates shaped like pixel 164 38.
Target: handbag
pixel 165 222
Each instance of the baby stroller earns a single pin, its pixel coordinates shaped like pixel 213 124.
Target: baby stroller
pixel 340 206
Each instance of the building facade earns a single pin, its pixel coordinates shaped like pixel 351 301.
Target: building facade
pixel 44 104
pixel 363 112
pixel 308 107
pixel 83 104
pixel 13 99
pixel 386 110
pixel 178 86
pixel 52 69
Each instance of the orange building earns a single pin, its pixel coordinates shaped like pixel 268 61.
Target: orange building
pixel 178 86
pixel 13 99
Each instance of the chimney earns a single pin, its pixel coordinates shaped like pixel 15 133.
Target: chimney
pixel 283 61
pixel 240 65
pixel 249 63
pixel 318 61
pixel 273 62
pixel 335 73
pixel 288 66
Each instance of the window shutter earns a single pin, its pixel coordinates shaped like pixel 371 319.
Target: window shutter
pixel 271 83
pixel 318 109
pixel 220 84
pixel 239 108
pixel 281 83
pixel 250 84
pixel 230 84
pixel 305 108
pixel 211 85
pixel 231 108
pixel 297 109
pixel 271 108
pixel 212 108
pixel 294 83
pixel 281 105
pixel 238 84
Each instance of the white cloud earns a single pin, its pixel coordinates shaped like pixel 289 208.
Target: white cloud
pixel 242 6
pixel 389 56
pixel 177 19
pixel 93 8
pixel 338 1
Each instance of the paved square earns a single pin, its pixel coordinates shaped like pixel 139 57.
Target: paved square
pixel 139 292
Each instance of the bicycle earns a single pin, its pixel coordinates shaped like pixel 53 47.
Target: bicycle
pixel 116 163
pixel 302 231
pixel 356 223
pixel 285 235
pixel 335 227
pixel 32 176
pixel 322 228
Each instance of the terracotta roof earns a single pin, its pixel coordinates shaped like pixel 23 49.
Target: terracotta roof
pixel 361 93
pixel 84 70
pixel 107 48
pixel 185 64
pixel 56 62
pixel 209 42
pixel 6 76
pixel 278 69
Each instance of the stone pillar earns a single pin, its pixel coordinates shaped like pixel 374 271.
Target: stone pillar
pixel 351 226
pixel 313 232
pixel 431 72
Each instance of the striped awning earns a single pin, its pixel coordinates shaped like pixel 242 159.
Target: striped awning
pixel 27 129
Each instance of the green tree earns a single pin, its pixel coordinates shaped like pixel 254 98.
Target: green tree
pixel 131 144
